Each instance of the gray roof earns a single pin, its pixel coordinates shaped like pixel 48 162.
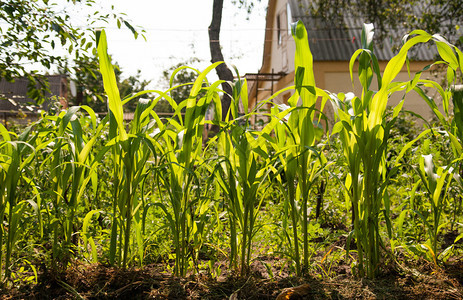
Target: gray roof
pixel 331 43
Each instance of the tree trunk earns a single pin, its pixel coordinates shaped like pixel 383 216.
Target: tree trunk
pixel 222 70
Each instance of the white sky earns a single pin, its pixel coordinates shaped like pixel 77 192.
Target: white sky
pixel 176 30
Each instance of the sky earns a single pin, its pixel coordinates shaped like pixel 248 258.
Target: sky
pixel 177 30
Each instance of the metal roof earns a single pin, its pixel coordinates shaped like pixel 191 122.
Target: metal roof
pixel 330 42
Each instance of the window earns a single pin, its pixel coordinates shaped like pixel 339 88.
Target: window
pixel 290 17
pixel 279 29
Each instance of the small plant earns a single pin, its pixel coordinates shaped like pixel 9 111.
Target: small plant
pixel 181 158
pixel 15 159
pixel 364 131
pixel 242 171
pixel 436 182
pixel 296 133
pixel 130 153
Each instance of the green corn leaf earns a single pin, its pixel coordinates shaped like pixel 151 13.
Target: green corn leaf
pixel 201 78
pixel 439 194
pixel 139 239
pixel 77 134
pixel 66 118
pixel 303 57
pixel 87 219
pixel 457 144
pixel 400 222
pixel 337 128
pixel 110 84
pixel 391 71
pixel 427 167
pixel 94 250
pixel 398 108
pixel 91 113
pixel 244 95
pixel 458 110
pixel 443 225
pixel 179 69
pixel 431 104
pixel 365 71
pixel 352 62
pixel 446 52
pixel 87 148
pixel 459 237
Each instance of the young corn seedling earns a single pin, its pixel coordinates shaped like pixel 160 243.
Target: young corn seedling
pixel 458 132
pixel 181 156
pixel 295 142
pixel 130 153
pixel 15 157
pixel 364 131
pixel 241 173
pixel 72 167
pixel 452 58
pixel 436 182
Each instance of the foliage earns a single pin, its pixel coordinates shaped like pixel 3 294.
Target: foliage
pixel 33 31
pixel 181 77
pixel 296 142
pixel 77 187
pixel 90 91
pixel 435 16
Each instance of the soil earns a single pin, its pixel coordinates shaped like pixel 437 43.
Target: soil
pixel 423 281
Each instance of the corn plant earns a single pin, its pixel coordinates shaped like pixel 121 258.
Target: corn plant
pixel 130 153
pixel 364 132
pixel 458 132
pixel 242 169
pixel 296 135
pixel 15 158
pixel 71 171
pixel 452 58
pixel 436 182
pixel 181 155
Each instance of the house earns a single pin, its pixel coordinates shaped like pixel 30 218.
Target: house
pixel 332 49
pixel 15 103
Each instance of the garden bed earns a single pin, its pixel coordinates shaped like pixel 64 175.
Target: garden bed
pixel 98 281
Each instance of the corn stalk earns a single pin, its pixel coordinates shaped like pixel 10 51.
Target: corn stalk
pixel 364 132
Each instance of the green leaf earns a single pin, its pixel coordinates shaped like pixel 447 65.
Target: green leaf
pixel 129 26
pixel 303 59
pixel 458 110
pixel 447 54
pixel 110 84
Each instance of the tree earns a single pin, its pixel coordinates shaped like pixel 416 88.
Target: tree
pixel 130 86
pixel 182 76
pixel 434 16
pixel 32 32
pixel 90 90
pixel 222 70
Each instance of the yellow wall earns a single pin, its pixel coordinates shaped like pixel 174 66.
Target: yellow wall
pixel 334 77
pixel 329 75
